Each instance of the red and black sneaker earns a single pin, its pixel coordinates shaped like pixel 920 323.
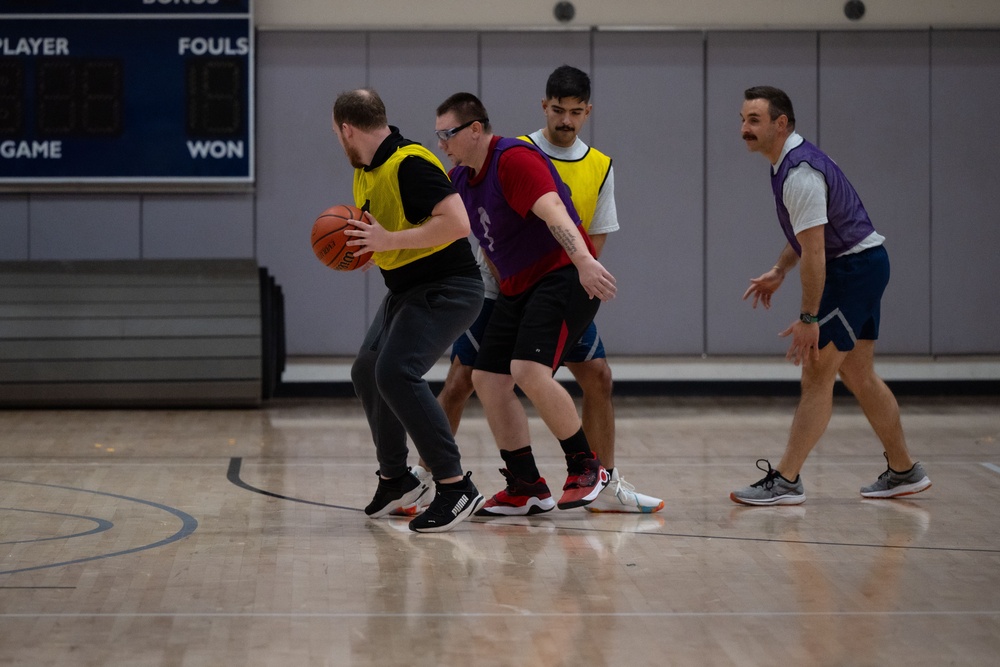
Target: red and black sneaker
pixel 520 498
pixel 587 478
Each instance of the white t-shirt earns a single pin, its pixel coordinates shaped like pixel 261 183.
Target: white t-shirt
pixel 804 195
pixel 606 214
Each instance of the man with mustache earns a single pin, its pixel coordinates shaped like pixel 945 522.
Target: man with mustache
pixel 844 269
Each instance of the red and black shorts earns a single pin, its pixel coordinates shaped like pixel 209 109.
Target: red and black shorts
pixel 541 324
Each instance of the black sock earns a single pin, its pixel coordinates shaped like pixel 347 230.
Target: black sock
pixel 521 464
pixel 575 445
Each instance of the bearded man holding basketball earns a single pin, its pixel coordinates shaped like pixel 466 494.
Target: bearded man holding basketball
pixel 417 227
pixel 844 270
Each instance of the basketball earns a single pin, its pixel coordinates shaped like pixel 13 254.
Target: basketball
pixel 329 241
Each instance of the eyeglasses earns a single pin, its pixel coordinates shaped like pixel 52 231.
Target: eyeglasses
pixel 445 135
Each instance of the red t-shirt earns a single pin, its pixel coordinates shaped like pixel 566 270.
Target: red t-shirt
pixel 525 177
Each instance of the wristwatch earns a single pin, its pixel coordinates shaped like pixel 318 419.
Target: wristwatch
pixel 808 318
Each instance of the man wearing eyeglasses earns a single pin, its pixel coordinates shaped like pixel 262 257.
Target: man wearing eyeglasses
pixel 551 286
pixel 590 176
pixel 417 228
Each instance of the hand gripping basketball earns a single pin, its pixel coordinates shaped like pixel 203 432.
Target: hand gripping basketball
pixel 330 243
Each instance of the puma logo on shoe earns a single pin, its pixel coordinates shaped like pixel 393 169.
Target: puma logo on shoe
pixel 461 504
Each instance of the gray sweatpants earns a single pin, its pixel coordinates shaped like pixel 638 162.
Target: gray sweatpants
pixel 410 333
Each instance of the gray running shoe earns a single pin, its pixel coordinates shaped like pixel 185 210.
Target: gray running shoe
pixel 892 484
pixel 772 490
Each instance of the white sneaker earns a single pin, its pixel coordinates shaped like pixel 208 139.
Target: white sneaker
pixel 413 510
pixel 620 496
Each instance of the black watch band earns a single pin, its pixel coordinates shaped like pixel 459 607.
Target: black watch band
pixel 808 318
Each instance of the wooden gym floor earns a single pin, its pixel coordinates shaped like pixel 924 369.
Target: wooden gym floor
pixel 236 537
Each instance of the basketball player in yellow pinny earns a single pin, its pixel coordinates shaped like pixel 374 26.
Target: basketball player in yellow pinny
pixel 588 174
pixel 418 232
pixel 376 190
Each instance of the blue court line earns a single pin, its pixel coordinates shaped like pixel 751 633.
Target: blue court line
pixel 188 525
pixel 992 466
pixel 102 525
pixel 233 475
pixel 235 463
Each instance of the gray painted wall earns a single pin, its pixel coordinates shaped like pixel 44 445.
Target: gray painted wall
pixel 909 115
pixel 351 15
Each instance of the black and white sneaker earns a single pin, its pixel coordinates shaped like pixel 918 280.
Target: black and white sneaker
pixel 392 494
pixel 452 504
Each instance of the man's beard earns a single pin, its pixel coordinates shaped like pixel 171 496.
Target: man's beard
pixel 354 157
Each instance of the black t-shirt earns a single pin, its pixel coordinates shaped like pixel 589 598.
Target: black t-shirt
pixel 422 185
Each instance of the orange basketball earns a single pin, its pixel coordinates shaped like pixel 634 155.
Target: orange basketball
pixel 329 241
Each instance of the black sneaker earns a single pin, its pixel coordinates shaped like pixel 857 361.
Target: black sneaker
pixel 449 508
pixel 392 494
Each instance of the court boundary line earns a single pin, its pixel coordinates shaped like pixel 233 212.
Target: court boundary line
pixel 485 461
pixel 188 526
pixel 817 543
pixel 489 614
pixel 233 475
pixel 102 525
pixel 235 465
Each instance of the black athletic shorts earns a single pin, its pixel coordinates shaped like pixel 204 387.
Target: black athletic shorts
pixel 541 324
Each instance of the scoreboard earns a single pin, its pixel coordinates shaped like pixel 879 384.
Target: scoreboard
pixel 126 92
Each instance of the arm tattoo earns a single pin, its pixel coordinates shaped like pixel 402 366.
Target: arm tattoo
pixel 565 238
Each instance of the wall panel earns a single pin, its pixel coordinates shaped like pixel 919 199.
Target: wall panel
pixel 649 116
pixel 874 111
pixel 515 66
pixel 84 227
pixel 665 14
pixel 301 170
pixel 414 72
pixel 965 204
pixel 743 238
pixel 13 227
pixel 197 226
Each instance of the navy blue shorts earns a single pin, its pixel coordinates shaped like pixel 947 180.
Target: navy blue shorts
pixel 590 346
pixel 466 348
pixel 852 298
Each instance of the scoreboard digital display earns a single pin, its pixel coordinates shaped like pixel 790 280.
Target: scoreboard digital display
pixel 126 92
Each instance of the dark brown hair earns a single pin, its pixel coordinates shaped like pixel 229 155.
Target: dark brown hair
pixel 362 108
pixel 466 107
pixel 779 104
